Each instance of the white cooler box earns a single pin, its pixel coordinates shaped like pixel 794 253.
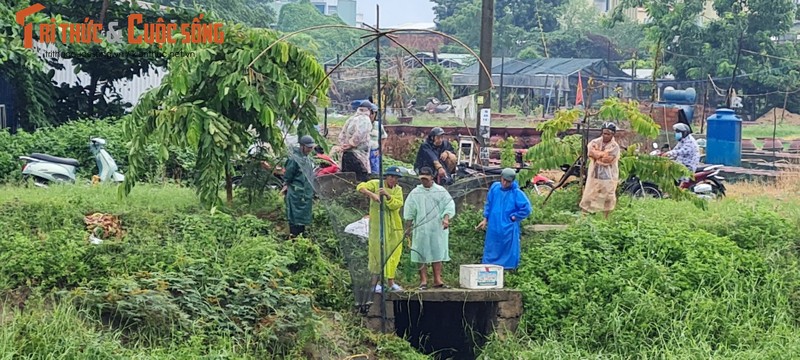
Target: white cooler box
pixel 481 276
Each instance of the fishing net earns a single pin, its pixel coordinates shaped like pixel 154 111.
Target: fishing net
pixel 347 211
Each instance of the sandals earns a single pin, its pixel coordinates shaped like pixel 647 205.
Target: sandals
pixel 440 286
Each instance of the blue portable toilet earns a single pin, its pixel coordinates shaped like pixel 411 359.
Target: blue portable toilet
pixel 724 138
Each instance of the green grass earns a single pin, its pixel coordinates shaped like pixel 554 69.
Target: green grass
pixel 181 283
pixel 660 279
pixel 445 120
pixel 787 132
pixel 144 197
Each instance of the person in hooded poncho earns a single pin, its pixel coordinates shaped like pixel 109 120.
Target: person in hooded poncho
pixel 600 193
pixel 391 198
pixel 297 186
pixel 429 208
pixel 354 142
pixel 506 207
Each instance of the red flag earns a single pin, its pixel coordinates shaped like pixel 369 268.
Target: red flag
pixel 579 95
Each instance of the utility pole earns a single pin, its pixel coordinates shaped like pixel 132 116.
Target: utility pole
pixel 484 80
pixel 502 71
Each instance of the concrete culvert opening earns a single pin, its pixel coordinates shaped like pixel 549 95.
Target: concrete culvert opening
pixel 445 330
pixel 447 323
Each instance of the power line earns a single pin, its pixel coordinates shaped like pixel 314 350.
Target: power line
pixel 770 56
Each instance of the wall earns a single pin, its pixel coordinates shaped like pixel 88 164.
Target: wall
pixel 666 116
pixel 402 138
pixel 129 90
pixel 419 42
pixel 506 304
pixel 347 11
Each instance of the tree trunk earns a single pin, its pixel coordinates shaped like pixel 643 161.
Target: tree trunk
pixel 103 11
pixel 228 187
pixel 92 93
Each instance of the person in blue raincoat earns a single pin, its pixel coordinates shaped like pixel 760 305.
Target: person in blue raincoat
pixel 506 207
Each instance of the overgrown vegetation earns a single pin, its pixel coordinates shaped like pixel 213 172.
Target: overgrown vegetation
pixel 554 150
pixel 71 140
pixel 179 281
pixel 176 276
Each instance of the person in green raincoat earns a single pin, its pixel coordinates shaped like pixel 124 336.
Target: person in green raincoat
pixel 429 208
pixel 391 198
pixel 297 186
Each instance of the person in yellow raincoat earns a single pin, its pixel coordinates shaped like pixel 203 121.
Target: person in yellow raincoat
pixel 600 193
pixel 391 197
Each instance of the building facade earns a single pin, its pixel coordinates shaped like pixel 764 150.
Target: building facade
pixel 344 9
pixel 640 14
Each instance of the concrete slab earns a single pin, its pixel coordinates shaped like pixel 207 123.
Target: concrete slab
pixel 546 227
pixel 456 295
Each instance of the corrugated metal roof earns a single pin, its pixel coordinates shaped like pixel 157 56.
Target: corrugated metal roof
pixel 551 66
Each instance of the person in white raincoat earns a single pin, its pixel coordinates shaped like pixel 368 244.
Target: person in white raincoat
pixel 600 193
pixel 428 210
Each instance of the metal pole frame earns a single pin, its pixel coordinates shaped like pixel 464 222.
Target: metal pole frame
pixel 379 118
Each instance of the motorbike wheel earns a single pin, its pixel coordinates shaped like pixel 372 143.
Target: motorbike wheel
pixel 542 189
pixel 37 181
pixel 43 183
pixel 718 188
pixel 647 191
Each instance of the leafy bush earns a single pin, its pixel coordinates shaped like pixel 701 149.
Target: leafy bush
pixel 175 275
pixel 561 208
pixel 508 157
pixel 71 140
pixel 638 285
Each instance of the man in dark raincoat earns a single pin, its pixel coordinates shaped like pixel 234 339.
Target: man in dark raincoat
pixel 438 154
pixel 297 186
pixel 506 207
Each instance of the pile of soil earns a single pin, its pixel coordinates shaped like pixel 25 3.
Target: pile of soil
pixel 789 118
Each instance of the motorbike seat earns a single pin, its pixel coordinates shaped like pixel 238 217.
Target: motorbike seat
pixel 55 159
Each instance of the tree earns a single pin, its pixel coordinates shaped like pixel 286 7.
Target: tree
pixel 253 13
pixel 106 62
pixel 447 8
pixel 328 42
pixel 518 23
pixel 553 151
pixel 626 36
pixel 207 102
pixel 22 69
pixel 529 15
pixel 743 31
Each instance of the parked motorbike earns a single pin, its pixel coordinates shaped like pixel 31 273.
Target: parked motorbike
pixel 633 185
pixel 434 106
pixel 541 185
pixel 272 178
pixel 324 165
pixel 44 169
pixel 706 182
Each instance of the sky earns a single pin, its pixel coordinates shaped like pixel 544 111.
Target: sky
pixel 396 12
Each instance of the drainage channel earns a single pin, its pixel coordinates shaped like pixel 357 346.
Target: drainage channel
pixel 448 323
